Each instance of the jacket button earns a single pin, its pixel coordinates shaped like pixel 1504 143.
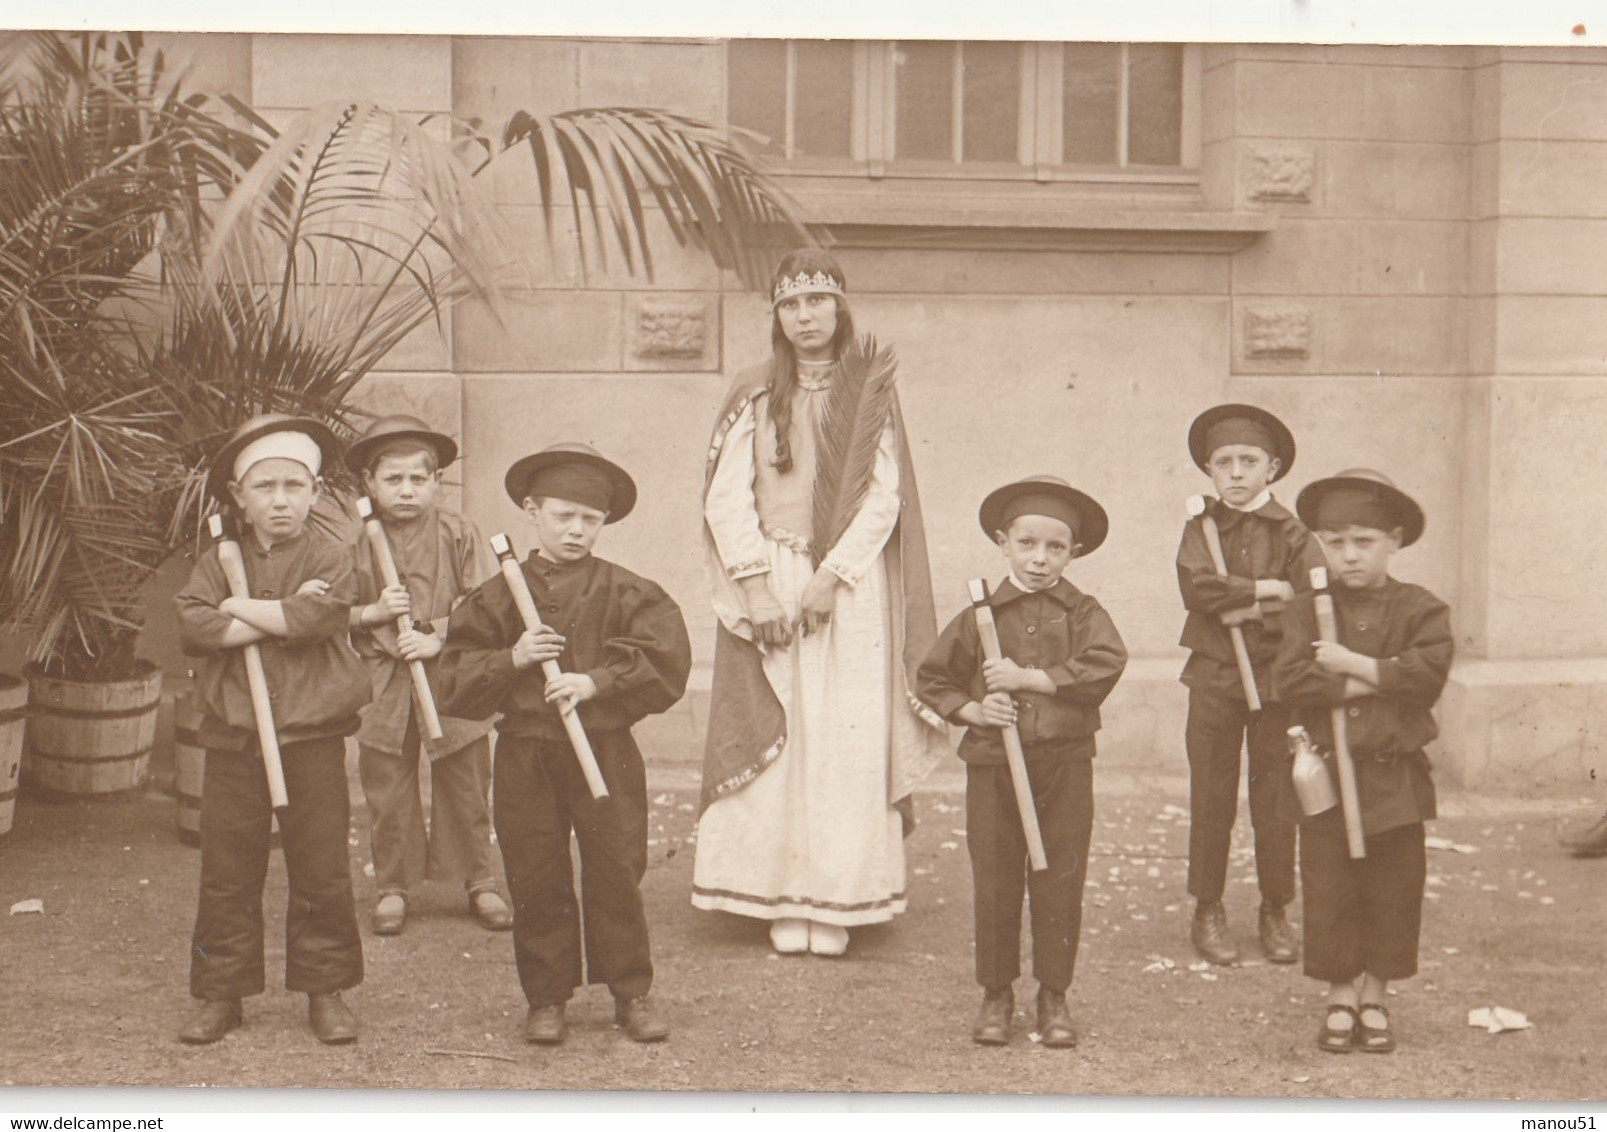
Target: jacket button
pixel 1361 624
pixel 1354 712
pixel 1032 629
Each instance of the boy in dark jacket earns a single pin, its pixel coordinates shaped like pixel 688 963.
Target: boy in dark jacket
pixel 623 648
pixel 301 585
pixel 1363 916
pixel 1061 658
pixel 1268 554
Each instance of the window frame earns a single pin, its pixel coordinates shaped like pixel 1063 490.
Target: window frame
pixel 873 125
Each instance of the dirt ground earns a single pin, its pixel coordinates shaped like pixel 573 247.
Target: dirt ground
pixel 94 989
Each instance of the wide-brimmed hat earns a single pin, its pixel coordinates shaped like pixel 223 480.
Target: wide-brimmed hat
pixel 221 473
pixel 1263 427
pixel 1052 496
pixel 623 488
pixel 1372 488
pixel 398 427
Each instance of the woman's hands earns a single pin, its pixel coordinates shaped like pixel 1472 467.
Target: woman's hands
pixel 769 619
pixel 818 600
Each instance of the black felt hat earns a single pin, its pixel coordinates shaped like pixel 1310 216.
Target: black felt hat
pixel 1282 440
pixel 1373 488
pixel 1055 497
pixel 623 488
pixel 398 427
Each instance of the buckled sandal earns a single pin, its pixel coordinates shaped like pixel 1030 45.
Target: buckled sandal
pixel 1337 1041
pixel 1374 1039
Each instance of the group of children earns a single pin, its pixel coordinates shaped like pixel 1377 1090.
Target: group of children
pixel 1244 569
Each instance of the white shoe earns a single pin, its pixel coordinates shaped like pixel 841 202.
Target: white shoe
pixel 827 939
pixel 790 937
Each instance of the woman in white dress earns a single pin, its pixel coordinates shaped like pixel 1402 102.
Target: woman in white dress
pixel 815 738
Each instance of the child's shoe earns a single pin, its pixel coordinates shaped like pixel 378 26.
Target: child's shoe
pixel 1278 940
pixel 1332 1039
pixel 992 1027
pixel 390 914
pixel 212 1019
pixel 331 1019
pixel 1210 934
pixel 1054 1020
pixel 1374 1039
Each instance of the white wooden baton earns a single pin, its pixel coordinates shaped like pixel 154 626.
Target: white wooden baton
pixel 1328 630
pixel 234 571
pixel 1241 654
pixel 387 570
pixel 1014 756
pixel 520 589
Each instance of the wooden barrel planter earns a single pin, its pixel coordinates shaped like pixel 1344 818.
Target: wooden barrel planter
pixel 189 772
pixel 90 738
pixel 189 766
pixel 13 711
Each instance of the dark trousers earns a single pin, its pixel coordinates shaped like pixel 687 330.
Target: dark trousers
pixel 539 797
pixel 457 846
pixel 1362 916
pixel 1063 793
pixel 323 951
pixel 1214 738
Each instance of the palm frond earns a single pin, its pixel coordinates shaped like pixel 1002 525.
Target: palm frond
pixel 607 161
pixel 852 420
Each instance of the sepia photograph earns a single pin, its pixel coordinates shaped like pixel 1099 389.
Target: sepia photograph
pixel 849 558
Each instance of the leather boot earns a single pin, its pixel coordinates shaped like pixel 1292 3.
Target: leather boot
pixel 1210 934
pixel 1279 942
pixel 992 1026
pixel 544 1025
pixel 640 1021
pixel 210 1021
pixel 492 912
pixel 1054 1020
pixel 331 1019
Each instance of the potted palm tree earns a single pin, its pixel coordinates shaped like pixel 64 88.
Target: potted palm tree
pixel 166 273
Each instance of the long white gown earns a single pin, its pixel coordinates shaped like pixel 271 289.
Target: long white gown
pixel 814 835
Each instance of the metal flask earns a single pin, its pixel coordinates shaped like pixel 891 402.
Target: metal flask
pixel 1314 786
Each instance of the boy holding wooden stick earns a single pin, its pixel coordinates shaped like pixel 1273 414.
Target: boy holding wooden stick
pixel 438 557
pixel 1061 658
pixel 1242 557
pixel 1385 672
pixel 623 650
pixel 300 585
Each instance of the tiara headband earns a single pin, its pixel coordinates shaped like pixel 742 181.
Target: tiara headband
pixel 805 284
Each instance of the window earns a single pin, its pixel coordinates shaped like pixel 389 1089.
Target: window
pixel 1049 111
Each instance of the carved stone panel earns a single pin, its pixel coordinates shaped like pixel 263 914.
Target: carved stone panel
pixel 672 332
pixel 1281 173
pixel 1277 332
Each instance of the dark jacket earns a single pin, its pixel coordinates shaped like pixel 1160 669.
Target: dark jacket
pixel 621 629
pixel 1408 630
pixel 1268 543
pixel 1061 630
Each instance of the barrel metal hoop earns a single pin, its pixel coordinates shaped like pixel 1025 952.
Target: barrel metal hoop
pixel 98 760
pixel 79 713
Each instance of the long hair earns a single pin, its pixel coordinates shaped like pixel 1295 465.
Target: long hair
pixel 784 359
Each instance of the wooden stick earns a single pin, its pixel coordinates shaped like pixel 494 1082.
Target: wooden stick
pixel 471 1053
pixel 387 569
pixel 1328 629
pixel 520 589
pixel 988 630
pixel 234 570
pixel 1241 654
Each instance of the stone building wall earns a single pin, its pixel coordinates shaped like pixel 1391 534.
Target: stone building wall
pixel 1393 248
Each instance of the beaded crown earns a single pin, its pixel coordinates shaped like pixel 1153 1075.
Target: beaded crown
pixel 805 283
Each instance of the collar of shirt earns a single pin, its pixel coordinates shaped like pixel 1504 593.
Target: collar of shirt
pixel 1227 516
pixel 254 547
pixel 1011 589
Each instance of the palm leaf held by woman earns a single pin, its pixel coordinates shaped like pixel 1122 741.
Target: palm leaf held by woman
pixel 852 420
